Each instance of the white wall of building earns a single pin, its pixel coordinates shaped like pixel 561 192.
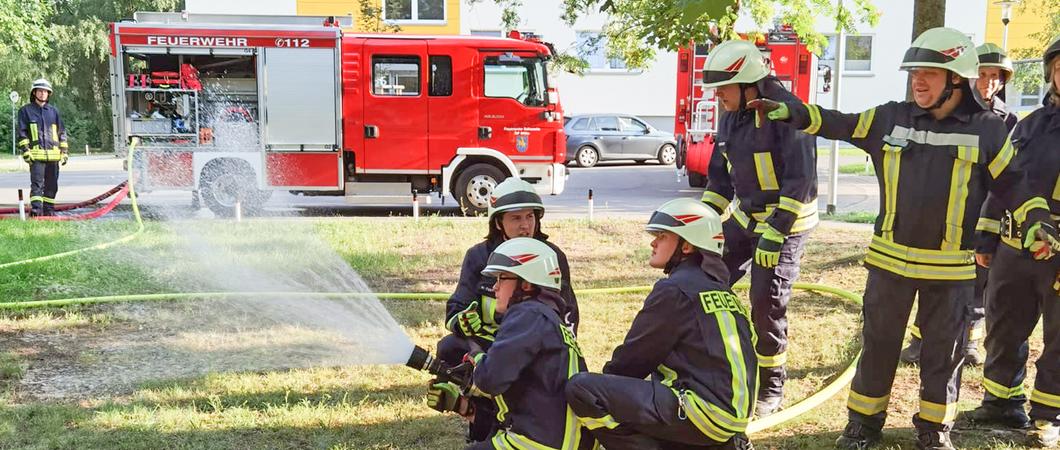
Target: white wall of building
pixel 256 7
pixel 648 93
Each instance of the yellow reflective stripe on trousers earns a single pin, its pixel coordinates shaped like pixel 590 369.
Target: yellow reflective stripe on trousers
pixel 1001 391
pixel 815 119
pixel 715 199
pixel 734 352
pixel 937 412
pixel 1020 214
pixel 866 405
pixel 1043 398
pixel 892 159
pixel 959 180
pixel 988 225
pixel 864 124
pixel 767 176
pixel 773 361
pixel 1002 159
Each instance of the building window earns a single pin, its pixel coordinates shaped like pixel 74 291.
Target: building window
pixel 1031 94
pixel 441 79
pixel 414 10
pixel 592 47
pixel 858 53
pixel 396 75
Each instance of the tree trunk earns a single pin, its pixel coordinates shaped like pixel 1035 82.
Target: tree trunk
pixel 927 14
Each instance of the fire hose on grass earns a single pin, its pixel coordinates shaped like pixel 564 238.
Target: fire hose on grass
pixel 120 189
pixel 419 359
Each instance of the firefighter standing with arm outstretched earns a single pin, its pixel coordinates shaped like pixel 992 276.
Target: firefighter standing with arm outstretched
pixel 771 171
pixel 42 138
pixel 936 158
pixel 1022 290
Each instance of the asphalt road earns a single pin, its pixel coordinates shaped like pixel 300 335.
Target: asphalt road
pixel 619 190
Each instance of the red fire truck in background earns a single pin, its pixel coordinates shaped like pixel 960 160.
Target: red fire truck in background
pixel 697 110
pixel 235 107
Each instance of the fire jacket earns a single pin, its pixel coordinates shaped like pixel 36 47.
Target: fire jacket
pixel 694 336
pixel 41 132
pixel 1034 140
pixel 988 228
pixel 474 286
pixel 526 370
pixel 934 176
pixel 768 167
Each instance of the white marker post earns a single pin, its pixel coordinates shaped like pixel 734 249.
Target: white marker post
pixel 590 205
pixel 415 207
pixel 21 206
pixel 239 210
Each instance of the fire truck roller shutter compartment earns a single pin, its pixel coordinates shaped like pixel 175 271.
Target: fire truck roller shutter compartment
pixel 300 100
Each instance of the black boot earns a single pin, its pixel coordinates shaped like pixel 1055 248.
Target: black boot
pixel 911 354
pixel 934 440
pixel 1008 416
pixel 766 406
pixel 858 437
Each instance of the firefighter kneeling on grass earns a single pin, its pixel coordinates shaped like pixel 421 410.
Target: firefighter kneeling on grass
pixel 515 210
pixel 936 158
pixel 42 139
pixel 532 357
pixel 693 337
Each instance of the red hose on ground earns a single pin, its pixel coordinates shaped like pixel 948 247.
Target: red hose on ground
pixel 69 206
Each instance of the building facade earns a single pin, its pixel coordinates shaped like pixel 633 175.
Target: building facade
pixel 413 16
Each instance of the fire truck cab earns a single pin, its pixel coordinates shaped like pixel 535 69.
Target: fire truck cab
pixel 235 107
pixel 697 110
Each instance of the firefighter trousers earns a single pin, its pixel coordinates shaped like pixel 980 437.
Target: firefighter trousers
pixel 976 310
pixel 451 350
pixel 1020 292
pixel 770 293
pixel 644 415
pixel 888 302
pixel 44 184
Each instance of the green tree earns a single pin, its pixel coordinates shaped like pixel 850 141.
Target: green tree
pixel 1029 73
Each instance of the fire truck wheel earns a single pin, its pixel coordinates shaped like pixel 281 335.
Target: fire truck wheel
pixel 587 156
pixel 474 186
pixel 224 183
pixel 667 154
pixel 697 180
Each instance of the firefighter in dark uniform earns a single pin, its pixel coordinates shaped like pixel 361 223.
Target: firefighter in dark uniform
pixel 515 211
pixel 693 337
pixel 936 158
pixel 995 69
pixel 771 170
pixel 1022 290
pixel 533 356
pixel 42 139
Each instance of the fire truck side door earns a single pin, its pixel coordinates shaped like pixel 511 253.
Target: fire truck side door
pixel 395 106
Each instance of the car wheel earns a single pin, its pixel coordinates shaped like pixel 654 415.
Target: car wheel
pixel 474 186
pixel 587 156
pixel 667 155
pixel 697 180
pixel 225 182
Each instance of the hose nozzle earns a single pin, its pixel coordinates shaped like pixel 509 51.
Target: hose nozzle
pixel 420 359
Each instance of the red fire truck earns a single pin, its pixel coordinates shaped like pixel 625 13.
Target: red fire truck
pixel 697 110
pixel 235 107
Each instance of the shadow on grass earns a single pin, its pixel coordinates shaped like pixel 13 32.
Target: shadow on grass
pixel 894 438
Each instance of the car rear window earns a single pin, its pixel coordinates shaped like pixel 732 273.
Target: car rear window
pixel 580 124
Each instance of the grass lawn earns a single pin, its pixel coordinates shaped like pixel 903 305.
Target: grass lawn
pixel 852 217
pixel 823 152
pixel 365 407
pixel 857 169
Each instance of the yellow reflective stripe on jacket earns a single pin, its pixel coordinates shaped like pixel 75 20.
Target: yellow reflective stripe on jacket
pixel 55 133
pixel 34 133
pixel 866 405
pixel 734 353
pixel 716 199
pixel 915 331
pixel 988 225
pixel 508 439
pixel 920 271
pixel 921 255
pixel 767 175
pixel 593 423
pixel 502 408
pixel 1043 398
pixel 1056 189
pixel 700 418
pixel 959 181
pixel 864 124
pixel 1002 159
pixel 892 160
pixel 773 361
pixel 669 375
pixel 815 119
pixel 937 412
pixel 64 144
pixel 571 429
pixel 23 142
pixel 921 263
pixel 1001 391
pixel 1012 242
pixel 796 207
pixel 1020 214
pixel 807 219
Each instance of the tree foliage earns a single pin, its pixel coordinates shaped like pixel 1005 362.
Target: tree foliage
pixel 1029 74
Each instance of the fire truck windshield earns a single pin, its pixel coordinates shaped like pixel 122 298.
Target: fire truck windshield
pixel 522 79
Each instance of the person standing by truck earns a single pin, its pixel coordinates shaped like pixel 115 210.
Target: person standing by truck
pixel 42 139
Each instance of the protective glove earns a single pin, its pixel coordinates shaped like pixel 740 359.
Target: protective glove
pixel 26 157
pixel 768 252
pixel 63 159
pixel 770 109
pixel 467 322
pixel 443 397
pixel 1041 241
